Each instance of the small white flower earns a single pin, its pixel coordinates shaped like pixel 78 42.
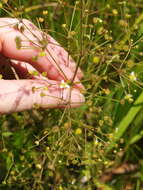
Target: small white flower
pixel 63 84
pixel 132 76
pixel 84 179
pixel 116 129
pixel 20 25
pixel 129 97
pixel 96 142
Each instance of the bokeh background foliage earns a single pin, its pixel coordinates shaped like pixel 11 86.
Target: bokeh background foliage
pixel 99 145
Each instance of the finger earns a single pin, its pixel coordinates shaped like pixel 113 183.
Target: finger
pixel 30 48
pixel 23 70
pixel 20 95
pixel 53 45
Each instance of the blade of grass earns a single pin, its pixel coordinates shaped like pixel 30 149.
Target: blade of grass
pixel 126 121
pixel 136 138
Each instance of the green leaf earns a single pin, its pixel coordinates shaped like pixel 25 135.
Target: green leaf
pixel 136 138
pixel 126 121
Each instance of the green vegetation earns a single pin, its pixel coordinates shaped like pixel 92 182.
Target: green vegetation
pixel 99 145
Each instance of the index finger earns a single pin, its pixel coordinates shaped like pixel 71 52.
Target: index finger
pixel 21 43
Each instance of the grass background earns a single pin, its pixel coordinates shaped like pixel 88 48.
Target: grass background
pixel 99 145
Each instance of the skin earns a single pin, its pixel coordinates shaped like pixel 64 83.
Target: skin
pixel 26 49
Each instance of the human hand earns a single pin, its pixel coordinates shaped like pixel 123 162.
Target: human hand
pixel 46 71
